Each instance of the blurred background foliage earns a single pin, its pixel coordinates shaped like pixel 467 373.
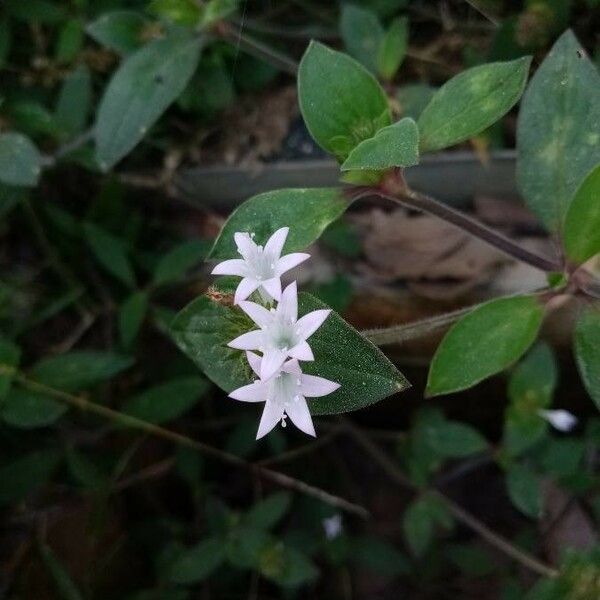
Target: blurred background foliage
pixel 96 260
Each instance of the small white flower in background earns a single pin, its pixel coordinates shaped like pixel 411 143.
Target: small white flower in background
pixel 562 420
pixel 260 268
pixel 284 395
pixel 281 335
pixel 332 526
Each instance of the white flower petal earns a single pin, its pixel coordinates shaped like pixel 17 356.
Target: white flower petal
pixel 315 387
pixel 298 412
pixel 287 308
pixel 273 287
pixel 271 363
pixel 253 340
pixel 245 287
pixel 309 323
pixel 562 420
pixel 235 266
pixel 289 261
pixel 259 314
pixel 272 414
pixel 246 247
pixel 275 243
pixel 254 361
pixel 255 392
pixel 301 351
pixel 292 366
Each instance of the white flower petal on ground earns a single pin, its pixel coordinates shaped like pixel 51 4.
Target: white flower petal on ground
pixel 562 420
pixel 284 395
pixel 282 335
pixel 260 268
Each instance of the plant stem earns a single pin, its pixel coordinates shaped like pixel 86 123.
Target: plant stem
pixel 231 459
pixel 491 537
pixel 227 32
pixel 423 203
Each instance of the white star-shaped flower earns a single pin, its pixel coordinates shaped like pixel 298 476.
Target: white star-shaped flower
pixel 284 395
pixel 562 420
pixel 260 268
pixel 281 335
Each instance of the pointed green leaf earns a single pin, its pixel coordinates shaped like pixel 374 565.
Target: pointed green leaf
pixel 524 489
pixel 110 252
pixel 362 34
pixel 79 370
pixel 392 48
pixel 484 342
pixel 140 91
pixel 29 410
pixel 175 263
pixel 74 101
pixel 131 316
pixel 167 401
pixel 341 102
pixel 470 102
pixel 307 212
pixel 394 146
pixel 204 327
pixel 20 160
pixel 197 563
pixel 587 352
pixel 418 524
pixel 582 225
pixel 452 439
pixel 120 30
pixel 269 511
pixel 558 132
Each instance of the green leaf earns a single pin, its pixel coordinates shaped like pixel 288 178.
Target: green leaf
pixel 582 224
pixel 418 525
pixel 26 474
pixel 524 490
pixel 341 102
pixel 120 30
pixel 484 342
pixel 140 91
pixel 20 160
pixel 197 563
pixel 286 566
pixel 266 513
pixel 379 557
pixel 306 211
pixel 65 586
pixel 452 439
pixel 10 355
pixel 204 327
pixel 167 401
pixel 79 370
pixel 29 410
pixel 392 48
pixel 472 101
pixel 9 198
pixel 131 316
pixel 558 132
pixel 362 34
pixel 110 252
pixel 587 352
pixel 174 265
pixel 414 98
pixel 246 546
pixel 394 146
pixel 74 101
pixel 530 388
pixel 70 40
pixel 183 12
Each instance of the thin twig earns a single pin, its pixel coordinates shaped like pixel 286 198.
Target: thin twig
pixel 491 537
pixel 424 203
pixel 483 12
pixel 182 440
pixel 225 31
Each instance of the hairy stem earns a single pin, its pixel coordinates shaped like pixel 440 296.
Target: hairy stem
pixel 423 203
pixel 497 541
pixel 182 440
